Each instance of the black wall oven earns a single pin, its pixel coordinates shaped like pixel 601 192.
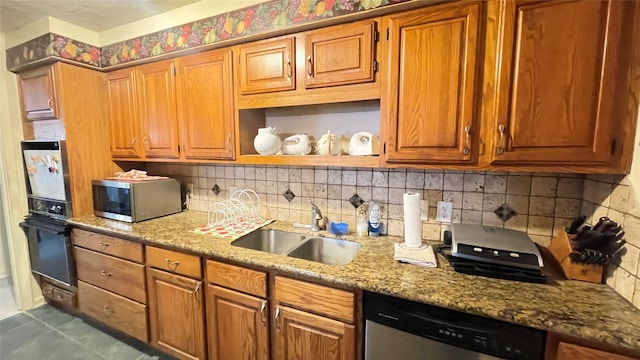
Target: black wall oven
pixel 50 249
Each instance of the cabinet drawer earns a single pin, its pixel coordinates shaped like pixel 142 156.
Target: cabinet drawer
pixel 316 298
pixel 61 296
pixel 108 245
pixel 115 311
pixel 237 278
pixel 174 261
pixel 119 276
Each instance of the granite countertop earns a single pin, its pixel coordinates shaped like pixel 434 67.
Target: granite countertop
pixel 574 308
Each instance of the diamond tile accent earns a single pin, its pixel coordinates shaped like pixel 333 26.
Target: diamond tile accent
pixel 215 189
pixel 505 212
pixel 289 195
pixel 356 200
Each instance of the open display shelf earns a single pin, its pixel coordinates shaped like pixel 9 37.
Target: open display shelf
pixel 311 160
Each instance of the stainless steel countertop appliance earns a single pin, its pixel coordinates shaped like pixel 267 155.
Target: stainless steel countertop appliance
pixel 494 252
pixel 401 329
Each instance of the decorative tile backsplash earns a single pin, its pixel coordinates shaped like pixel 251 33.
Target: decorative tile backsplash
pixel 537 203
pixel 617 197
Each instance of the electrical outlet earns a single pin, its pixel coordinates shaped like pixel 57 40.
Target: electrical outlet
pixel 424 210
pixel 445 208
pixel 190 189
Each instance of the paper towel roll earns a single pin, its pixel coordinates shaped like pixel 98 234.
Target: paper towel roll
pixel 412 223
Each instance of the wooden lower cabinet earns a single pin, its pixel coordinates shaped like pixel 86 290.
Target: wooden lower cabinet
pixel 176 314
pixel 237 325
pixel 568 351
pixel 116 311
pixel 301 336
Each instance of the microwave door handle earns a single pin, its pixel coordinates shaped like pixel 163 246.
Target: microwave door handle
pixel 55 230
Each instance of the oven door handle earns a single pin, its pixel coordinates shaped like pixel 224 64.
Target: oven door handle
pixel 54 229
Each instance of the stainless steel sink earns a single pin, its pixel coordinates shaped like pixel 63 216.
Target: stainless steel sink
pixel 319 249
pixel 273 241
pixel 326 251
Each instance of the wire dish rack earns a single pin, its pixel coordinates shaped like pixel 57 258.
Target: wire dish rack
pixel 237 216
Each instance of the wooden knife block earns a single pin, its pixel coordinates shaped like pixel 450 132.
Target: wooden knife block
pixel 561 248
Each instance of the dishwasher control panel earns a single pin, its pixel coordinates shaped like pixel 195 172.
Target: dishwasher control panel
pixel 459 331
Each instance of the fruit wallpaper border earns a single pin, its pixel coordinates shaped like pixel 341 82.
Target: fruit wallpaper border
pixel 259 18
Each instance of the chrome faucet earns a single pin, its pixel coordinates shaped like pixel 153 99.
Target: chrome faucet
pixel 316 216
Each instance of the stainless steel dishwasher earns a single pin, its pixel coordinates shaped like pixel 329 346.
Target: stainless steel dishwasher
pixel 401 329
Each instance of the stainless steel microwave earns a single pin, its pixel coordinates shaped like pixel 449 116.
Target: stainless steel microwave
pixel 134 201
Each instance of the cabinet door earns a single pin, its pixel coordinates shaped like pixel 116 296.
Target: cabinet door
pixel 432 87
pixel 38 94
pixel 568 351
pixel 123 117
pixel 205 105
pixel 339 55
pixel 176 315
pixel 237 325
pixel 157 109
pixel 555 103
pixel 267 66
pixel 301 336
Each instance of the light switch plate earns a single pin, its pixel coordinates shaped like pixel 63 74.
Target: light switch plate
pixel 445 208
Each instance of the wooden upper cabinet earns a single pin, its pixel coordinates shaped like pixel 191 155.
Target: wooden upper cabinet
pixel 557 82
pixel 205 105
pixel 340 55
pixel 267 66
pixel 429 103
pixel 123 116
pixel 37 89
pixel 237 325
pixel 176 314
pixel 157 109
pixel 301 336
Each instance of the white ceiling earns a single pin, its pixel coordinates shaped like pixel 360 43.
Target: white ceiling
pixel 95 15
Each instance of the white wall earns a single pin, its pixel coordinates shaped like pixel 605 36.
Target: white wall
pixel 12 188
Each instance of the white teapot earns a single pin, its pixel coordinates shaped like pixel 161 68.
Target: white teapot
pixel 267 142
pixel 329 144
pixel 296 145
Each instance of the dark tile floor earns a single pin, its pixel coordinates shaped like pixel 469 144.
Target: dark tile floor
pixel 48 333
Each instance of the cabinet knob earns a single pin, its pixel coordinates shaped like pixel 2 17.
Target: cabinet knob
pixel 196 292
pixel 173 263
pixel 276 318
pixel 107 308
pixel 501 146
pixel 263 317
pixel 467 147
pixel 309 67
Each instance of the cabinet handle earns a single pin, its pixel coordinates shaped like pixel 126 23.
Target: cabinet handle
pixel 104 273
pixel 500 148
pixel 196 292
pixel 174 263
pixel 263 307
pixel 289 72
pixel 227 143
pixel 144 141
pixel 133 141
pixel 103 244
pixel 276 318
pixel 50 103
pixel 309 67
pixel 467 146
pixel 107 308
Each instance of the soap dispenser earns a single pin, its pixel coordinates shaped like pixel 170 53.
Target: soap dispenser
pixel 362 222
